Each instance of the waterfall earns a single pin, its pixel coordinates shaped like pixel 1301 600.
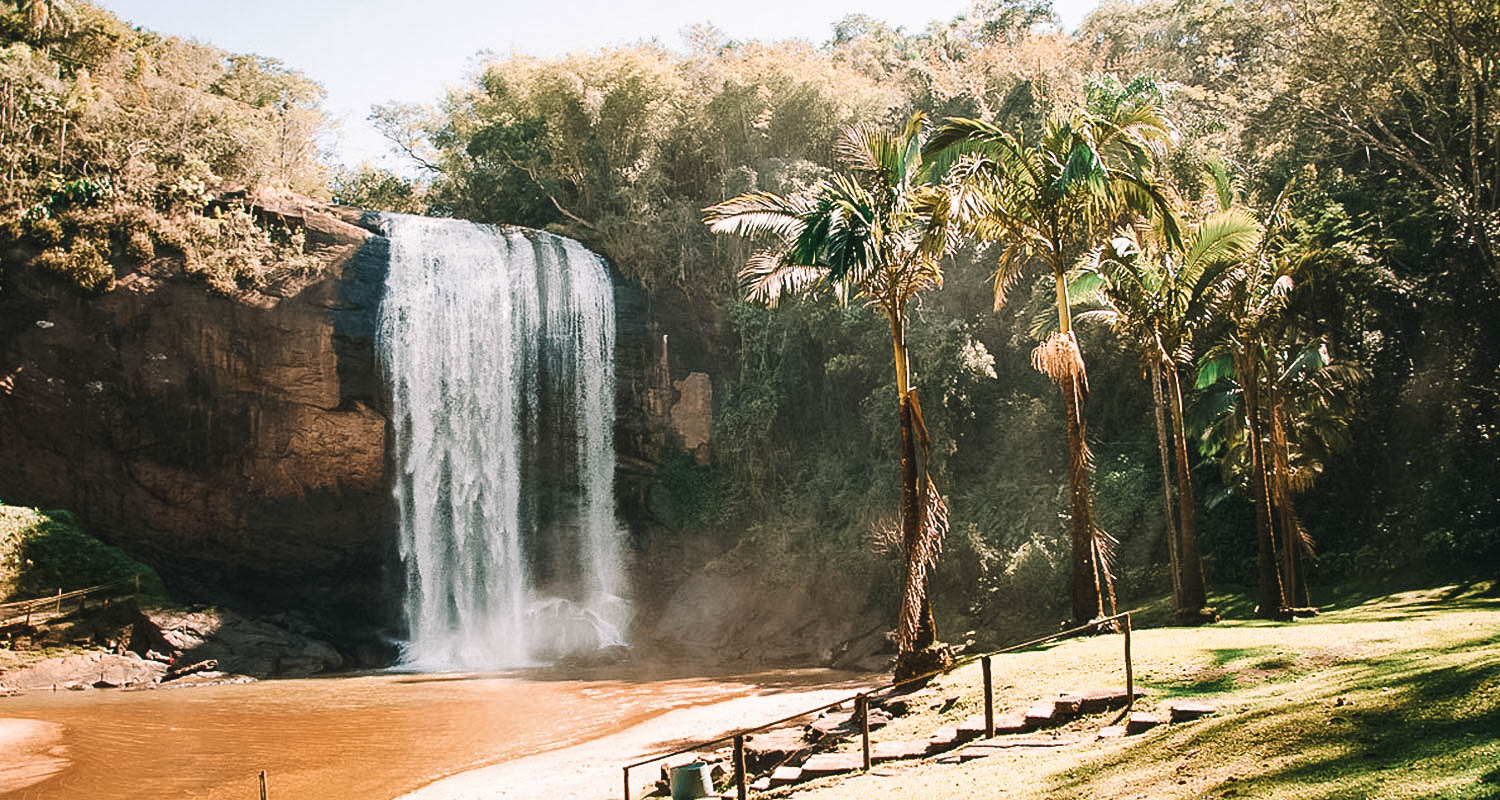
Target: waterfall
pixel 498 348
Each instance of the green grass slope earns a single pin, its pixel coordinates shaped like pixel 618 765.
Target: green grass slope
pixel 1386 697
pixel 42 551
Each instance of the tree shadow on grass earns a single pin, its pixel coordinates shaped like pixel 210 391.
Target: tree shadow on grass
pixel 1388 722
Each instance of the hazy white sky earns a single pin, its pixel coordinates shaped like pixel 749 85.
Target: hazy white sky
pixel 374 51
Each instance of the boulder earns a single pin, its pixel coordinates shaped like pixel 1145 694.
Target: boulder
pixel 103 670
pixel 238 645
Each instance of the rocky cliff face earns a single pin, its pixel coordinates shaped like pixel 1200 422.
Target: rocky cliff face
pixel 235 443
pixel 238 444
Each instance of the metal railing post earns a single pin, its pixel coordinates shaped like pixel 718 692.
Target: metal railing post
pixel 989 699
pixel 1129 669
pixel 627 783
pixel 263 793
pixel 741 791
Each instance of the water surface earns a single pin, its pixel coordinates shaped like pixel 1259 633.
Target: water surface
pixel 363 737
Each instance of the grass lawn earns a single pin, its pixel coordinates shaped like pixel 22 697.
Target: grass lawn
pixel 1396 696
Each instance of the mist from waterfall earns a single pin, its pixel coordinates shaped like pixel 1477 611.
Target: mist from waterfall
pixel 498 349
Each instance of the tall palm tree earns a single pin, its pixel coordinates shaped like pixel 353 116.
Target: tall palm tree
pixel 1153 290
pixel 876 235
pixel 1043 199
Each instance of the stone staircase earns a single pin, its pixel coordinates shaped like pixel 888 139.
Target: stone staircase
pixel 788 756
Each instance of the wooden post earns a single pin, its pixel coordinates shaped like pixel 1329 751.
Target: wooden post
pixel 1129 670
pixel 989 699
pixel 627 783
pixel 58 608
pixel 864 726
pixel 741 790
pixel 263 794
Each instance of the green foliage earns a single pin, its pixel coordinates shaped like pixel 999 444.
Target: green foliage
pixel 42 551
pixel 377 190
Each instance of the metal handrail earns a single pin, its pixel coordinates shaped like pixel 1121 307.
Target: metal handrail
pixel 862 700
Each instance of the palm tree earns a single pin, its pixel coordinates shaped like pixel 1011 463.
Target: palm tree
pixel 1043 199
pixel 874 234
pixel 1152 290
pixel 1280 400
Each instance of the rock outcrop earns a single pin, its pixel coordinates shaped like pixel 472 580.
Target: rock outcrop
pixel 237 444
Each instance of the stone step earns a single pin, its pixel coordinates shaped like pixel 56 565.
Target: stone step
pixel 897 751
pixel 1184 710
pixel 1041 715
pixel 773 748
pixel 784 776
pixel 1004 724
pixel 1112 732
pixel 1141 721
pixel 942 739
pixel 832 764
pixel 760 784
pixel 1093 702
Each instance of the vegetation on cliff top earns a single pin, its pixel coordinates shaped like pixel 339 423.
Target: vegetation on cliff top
pixel 115 144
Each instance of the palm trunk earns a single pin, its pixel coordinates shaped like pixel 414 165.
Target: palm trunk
pixel 911 506
pixel 1164 450
pixel 1089 584
pixel 1269 596
pixel 1194 588
pixel 1292 545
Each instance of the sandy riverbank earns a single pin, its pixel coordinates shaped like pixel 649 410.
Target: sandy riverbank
pixel 591 770
pixel 31 751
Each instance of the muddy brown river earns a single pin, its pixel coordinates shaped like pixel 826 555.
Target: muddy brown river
pixel 377 736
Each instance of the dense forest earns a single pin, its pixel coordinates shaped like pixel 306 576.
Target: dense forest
pixel 1284 327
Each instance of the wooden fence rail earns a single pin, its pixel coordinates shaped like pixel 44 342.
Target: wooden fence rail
pixel 25 608
pixel 862 702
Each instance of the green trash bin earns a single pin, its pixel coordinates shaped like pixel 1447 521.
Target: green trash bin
pixel 691 781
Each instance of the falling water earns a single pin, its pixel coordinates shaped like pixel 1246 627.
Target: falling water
pixel 498 348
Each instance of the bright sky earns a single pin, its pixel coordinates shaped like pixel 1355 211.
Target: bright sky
pixel 375 51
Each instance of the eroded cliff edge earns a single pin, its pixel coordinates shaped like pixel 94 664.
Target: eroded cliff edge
pixel 234 442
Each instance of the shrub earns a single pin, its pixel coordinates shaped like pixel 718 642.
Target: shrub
pixel 138 245
pixel 83 263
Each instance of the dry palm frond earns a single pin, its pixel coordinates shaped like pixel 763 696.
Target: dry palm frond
pixel 884 537
pixel 766 277
pixel 933 528
pixel 1103 546
pixel 1058 358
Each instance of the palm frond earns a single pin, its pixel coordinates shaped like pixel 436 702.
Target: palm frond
pixel 758 213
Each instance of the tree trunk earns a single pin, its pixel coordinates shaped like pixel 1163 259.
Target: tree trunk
pixel 1164 450
pixel 1089 585
pixel 1269 596
pixel 911 507
pixel 1194 588
pixel 1293 545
